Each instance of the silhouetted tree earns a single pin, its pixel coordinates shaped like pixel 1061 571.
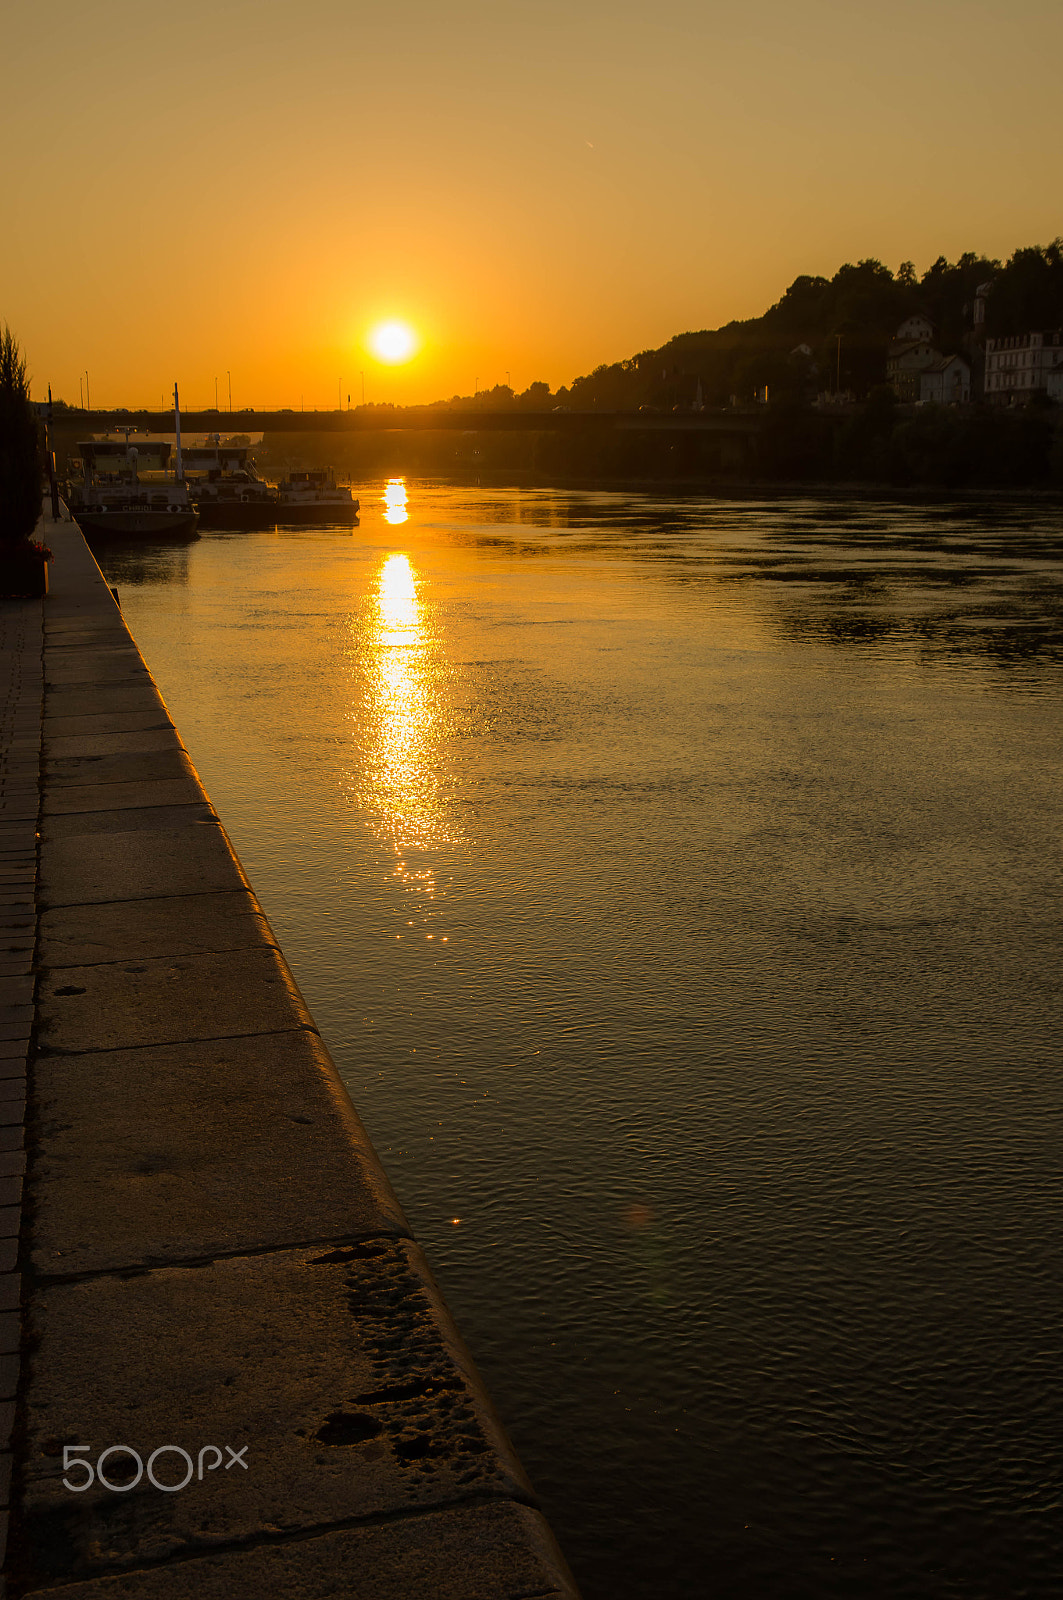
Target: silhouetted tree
pixel 1028 292
pixel 536 397
pixel 946 295
pixel 20 461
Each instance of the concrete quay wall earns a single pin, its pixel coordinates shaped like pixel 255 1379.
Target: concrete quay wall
pixel 213 1261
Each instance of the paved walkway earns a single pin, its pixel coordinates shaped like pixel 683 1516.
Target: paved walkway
pixel 215 1270
pixel 21 698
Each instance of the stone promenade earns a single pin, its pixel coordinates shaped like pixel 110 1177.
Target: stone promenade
pixel 237 1376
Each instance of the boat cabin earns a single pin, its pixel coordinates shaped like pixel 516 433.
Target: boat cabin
pixel 111 460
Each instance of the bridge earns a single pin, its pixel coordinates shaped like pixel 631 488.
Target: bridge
pixel 381 419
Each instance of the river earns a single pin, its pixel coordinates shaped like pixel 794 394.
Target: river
pixel 677 884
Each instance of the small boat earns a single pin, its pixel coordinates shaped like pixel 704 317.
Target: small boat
pixel 227 490
pixel 315 497
pixel 111 498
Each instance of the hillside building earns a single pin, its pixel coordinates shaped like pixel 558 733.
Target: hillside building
pixel 920 375
pixel 909 356
pixel 946 382
pixel 916 328
pixel 1022 365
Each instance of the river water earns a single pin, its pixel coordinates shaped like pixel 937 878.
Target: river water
pixel 677 883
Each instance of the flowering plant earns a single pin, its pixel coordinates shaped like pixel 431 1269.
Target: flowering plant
pixel 23 568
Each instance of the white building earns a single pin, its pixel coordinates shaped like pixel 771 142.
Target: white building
pixel 1017 367
pixel 946 383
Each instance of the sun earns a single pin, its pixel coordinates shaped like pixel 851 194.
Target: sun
pixel 393 341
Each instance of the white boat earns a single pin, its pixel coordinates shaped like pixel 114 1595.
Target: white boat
pixel 315 497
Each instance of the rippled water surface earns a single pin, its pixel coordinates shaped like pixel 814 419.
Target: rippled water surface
pixel 677 884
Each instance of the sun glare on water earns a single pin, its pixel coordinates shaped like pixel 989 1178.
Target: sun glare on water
pixel 393 341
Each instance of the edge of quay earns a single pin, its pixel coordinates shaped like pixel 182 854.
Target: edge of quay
pixel 213 1263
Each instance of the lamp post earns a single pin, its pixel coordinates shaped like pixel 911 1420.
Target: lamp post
pixel 230 378
pixel 53 482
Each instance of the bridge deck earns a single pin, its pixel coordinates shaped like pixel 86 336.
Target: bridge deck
pixel 415 418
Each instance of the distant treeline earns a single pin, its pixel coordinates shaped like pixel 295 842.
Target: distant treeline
pixel 846 323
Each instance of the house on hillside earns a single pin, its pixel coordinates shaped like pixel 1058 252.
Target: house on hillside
pixel 918 374
pixel 946 382
pixel 915 329
pixel 910 352
pixel 1022 365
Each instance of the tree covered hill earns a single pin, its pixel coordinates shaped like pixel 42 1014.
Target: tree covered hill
pixel 847 320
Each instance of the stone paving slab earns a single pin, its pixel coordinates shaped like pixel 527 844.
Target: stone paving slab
pixel 74 700
pixel 60 801
pixel 90 657
pixel 119 742
pixel 86 629
pixel 167 1000
pixel 166 1177
pixel 338 1367
pixel 150 819
pixel 104 670
pixel 137 864
pixel 494 1551
pixel 130 766
pixel 104 722
pixel 131 930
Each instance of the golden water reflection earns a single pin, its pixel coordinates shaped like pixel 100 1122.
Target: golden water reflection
pixel 394 498
pixel 404 789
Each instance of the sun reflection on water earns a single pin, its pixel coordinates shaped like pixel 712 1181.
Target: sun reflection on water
pixel 394 498
pixel 403 788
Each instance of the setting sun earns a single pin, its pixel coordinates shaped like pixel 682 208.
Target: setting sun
pixel 393 341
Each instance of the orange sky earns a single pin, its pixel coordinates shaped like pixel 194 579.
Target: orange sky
pixel 535 187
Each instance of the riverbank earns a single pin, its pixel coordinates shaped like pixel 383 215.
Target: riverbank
pixel 215 1269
